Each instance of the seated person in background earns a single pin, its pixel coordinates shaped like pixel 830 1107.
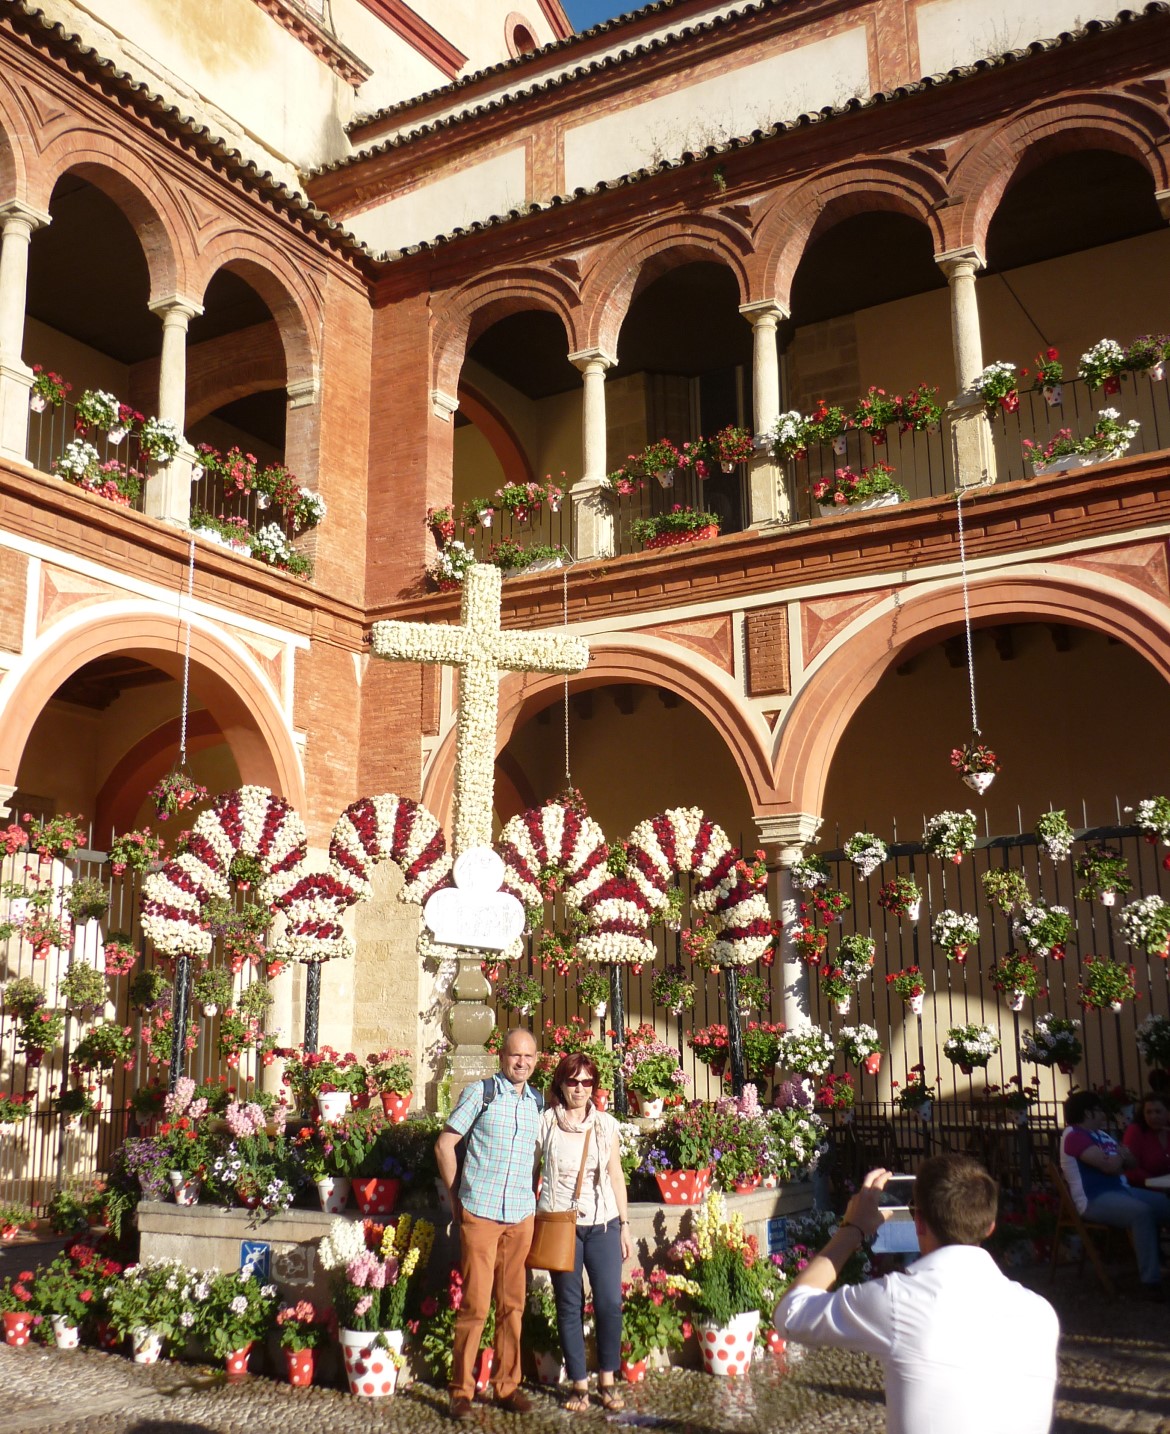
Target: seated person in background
pixel 965 1350
pixel 1147 1138
pixel 1092 1163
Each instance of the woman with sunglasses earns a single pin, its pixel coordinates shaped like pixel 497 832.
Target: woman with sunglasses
pixel 603 1226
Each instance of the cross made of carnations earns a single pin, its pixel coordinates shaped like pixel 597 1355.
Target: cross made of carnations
pixel 481 650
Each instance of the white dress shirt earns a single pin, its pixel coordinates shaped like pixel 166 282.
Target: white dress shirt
pixel 965 1350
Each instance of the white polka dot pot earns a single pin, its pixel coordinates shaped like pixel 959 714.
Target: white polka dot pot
pixel 370 1368
pixel 727 1349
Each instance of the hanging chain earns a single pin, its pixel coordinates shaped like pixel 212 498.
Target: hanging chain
pixel 565 618
pixel 186 653
pixel 967 613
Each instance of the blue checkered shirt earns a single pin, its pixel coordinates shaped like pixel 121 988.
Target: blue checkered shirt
pixel 501 1151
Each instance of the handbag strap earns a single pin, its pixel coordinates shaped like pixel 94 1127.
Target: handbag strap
pixel 581 1171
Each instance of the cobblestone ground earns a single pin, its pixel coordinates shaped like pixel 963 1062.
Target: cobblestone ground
pixel 1114 1375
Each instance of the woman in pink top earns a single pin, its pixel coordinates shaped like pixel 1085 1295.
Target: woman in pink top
pixel 1148 1138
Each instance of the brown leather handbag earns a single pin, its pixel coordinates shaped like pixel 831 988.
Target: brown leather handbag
pixel 554 1233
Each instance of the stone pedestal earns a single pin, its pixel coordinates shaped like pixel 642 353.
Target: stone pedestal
pixel 168 490
pixel 469 1024
pixel 16 380
pixel 769 496
pixel 972 449
pixel 593 526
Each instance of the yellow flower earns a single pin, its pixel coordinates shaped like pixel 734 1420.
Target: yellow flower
pixel 409 1264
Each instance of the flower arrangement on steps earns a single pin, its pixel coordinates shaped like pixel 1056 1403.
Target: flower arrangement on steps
pixel 793 433
pixel 683 524
pixel 1053 1042
pixel 654 1317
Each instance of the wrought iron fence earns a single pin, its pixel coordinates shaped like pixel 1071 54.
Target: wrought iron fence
pixel 51 430
pixel 921 463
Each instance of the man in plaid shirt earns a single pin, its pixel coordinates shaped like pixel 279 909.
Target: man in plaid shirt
pixel 493 1209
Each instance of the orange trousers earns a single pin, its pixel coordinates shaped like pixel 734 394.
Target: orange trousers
pixel 492 1259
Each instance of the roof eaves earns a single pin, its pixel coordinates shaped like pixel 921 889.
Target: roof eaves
pixel 187 130
pixel 781 127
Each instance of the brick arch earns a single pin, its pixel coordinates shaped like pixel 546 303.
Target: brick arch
pixel 147 762
pixel 468 312
pixel 628 658
pixel 498 433
pixel 1120 123
pixel 800 215
pixel 232 688
pixel 292 301
pixel 621 270
pixel 837 685
pixel 138 191
pixel 15 164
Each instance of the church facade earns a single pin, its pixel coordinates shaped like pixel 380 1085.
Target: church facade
pixel 408 262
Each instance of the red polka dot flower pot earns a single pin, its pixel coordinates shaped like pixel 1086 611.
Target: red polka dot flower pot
pixel 371 1361
pixel 17 1327
pixel 727 1349
pixel 684 1187
pixel 396 1106
pixel 376 1196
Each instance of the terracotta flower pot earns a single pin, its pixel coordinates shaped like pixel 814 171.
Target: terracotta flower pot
pixel 395 1105
pixel 298 1364
pixel 376 1196
pixel 236 1362
pixel 684 1187
pixel 634 1370
pixel 17 1327
pixel 872 1063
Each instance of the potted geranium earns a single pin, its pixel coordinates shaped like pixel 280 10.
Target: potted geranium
pixel 861 1046
pixel 682 524
pixel 325 1073
pixel 1153 1037
pixel 970 1045
pixel 976 763
pixel 809 872
pixel 237 1312
pixel 909 985
pixel 1105 983
pixel 866 852
pixel 48 389
pixel 670 987
pixel 83 989
pixel 1018 978
pixel 593 989
pixel 477 513
pixel 175 792
pixel 871 488
pixel 15 1108
pixel 653 1318
pixel 762 1041
pixel 119 953
pixel 148 1302
pixel 538 1331
pixel 950 834
pixel 836 1092
pixel 1049 371
pixel 1006 887
pixel 710 1047
pixel 998 383
pixel 917 1095
pixel 105 1046
pixel 852 965
pixel 518 992
pixel 808 939
pixel 1055 835
pixel 730 446
pixel 1103 365
pixel 302 1328
pixel 682 1153
pixel 808 1051
pixel 651 1070
pixel 212 988
pixel 788 437
pixel 1145 923
pixel 725 1263
pixel 390 1076
pixel 956 932
pixel 1103 873
pixel 55 838
pixel 1015 1097
pixel 1152 815
pixel 901 896
pixel 1044 929
pixel 136 851
pixel 661 458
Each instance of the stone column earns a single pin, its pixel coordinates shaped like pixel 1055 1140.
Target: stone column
pixel 971 447
pixel 17 224
pixel 593 527
pixel 168 490
pixel 784 839
pixel 769 498
pixel 469 1022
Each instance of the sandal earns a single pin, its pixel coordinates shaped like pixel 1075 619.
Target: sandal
pixel 577 1402
pixel 610 1399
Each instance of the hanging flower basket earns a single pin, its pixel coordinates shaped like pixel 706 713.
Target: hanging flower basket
pixel 177 791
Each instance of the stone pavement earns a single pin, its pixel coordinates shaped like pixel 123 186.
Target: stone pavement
pixel 1114 1376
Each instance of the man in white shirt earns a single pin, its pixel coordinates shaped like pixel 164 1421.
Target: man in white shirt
pixel 965 1350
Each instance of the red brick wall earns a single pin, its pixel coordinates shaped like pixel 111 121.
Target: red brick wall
pixel 13 582
pixel 327 706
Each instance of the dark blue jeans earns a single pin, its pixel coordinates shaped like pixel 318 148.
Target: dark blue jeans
pixel 599 1252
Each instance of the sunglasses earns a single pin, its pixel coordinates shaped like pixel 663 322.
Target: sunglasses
pixel 577 1081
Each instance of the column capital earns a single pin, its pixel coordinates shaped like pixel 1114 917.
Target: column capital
pixel 765 313
pixel 592 360
pixel 443 405
pixel 175 306
pixel 788 833
pixel 302 392
pixel 967 259
pixel 17 210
